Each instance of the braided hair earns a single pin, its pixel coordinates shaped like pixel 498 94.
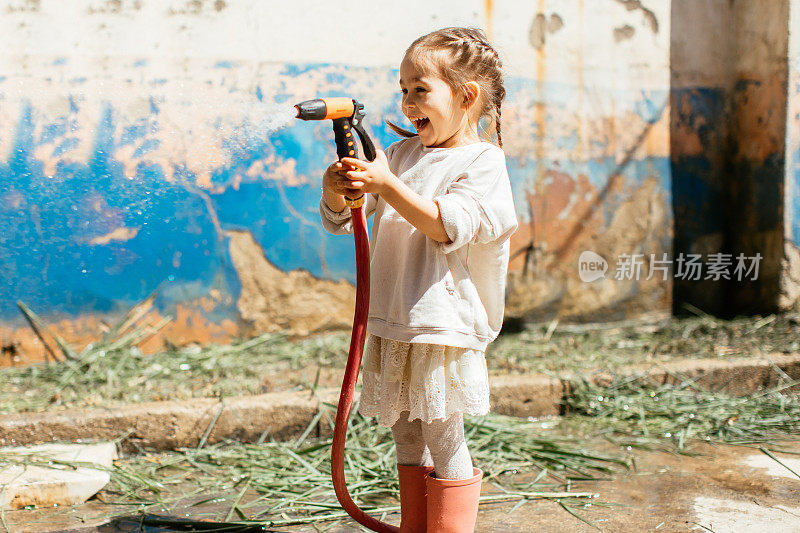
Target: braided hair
pixel 459 55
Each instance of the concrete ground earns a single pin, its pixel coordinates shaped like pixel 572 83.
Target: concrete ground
pixel 727 489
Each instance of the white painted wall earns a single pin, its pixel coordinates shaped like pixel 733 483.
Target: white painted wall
pixel 356 33
pixel 125 54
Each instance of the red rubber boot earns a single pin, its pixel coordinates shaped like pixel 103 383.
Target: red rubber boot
pixel 453 503
pixel 413 498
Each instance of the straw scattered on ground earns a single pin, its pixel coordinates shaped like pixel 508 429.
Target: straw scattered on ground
pixel 556 347
pixel 635 412
pixel 281 483
pixel 113 371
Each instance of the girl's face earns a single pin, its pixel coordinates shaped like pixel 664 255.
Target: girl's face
pixel 439 115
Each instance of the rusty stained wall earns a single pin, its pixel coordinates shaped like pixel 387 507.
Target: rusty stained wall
pixel 759 156
pixel 700 84
pixel 150 160
pixel 728 148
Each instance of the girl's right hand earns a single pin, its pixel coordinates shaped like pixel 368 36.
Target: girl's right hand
pixel 335 180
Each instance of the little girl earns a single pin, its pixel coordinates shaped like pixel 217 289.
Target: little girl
pixel 439 254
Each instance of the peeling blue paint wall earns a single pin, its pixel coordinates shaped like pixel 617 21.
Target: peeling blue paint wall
pixel 124 161
pixel 48 222
pixel 124 172
pixel 129 160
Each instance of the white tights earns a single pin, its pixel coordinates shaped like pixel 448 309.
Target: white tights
pixel 440 443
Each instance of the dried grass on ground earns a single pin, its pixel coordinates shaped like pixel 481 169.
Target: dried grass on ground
pixel 282 483
pixel 114 371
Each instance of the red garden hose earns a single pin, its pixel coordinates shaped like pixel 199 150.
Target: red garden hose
pixel 349 382
pixel 347 116
pixel 351 376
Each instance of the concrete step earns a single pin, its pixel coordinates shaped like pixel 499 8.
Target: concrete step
pixel 40 485
pixel 285 415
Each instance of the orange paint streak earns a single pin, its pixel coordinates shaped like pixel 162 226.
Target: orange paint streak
pixel 540 118
pixel 579 151
pixel 568 218
pixel 487 5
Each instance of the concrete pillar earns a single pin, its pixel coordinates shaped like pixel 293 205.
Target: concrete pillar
pixel 729 150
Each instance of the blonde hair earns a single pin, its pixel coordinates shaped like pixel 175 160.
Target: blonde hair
pixel 459 55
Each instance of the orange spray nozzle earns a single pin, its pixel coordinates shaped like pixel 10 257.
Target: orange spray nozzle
pixel 324 108
pixel 347 116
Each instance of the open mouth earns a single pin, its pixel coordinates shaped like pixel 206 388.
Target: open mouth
pixel 420 123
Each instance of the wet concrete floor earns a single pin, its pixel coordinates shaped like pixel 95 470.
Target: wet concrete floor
pixel 727 489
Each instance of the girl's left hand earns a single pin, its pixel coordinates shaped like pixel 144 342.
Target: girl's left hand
pixel 370 176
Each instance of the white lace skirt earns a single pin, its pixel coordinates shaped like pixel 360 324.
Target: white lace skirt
pixel 429 380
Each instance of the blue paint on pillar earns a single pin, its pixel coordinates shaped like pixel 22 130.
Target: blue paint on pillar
pixel 698 194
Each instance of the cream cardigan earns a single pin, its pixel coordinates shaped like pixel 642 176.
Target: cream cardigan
pixel 424 291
